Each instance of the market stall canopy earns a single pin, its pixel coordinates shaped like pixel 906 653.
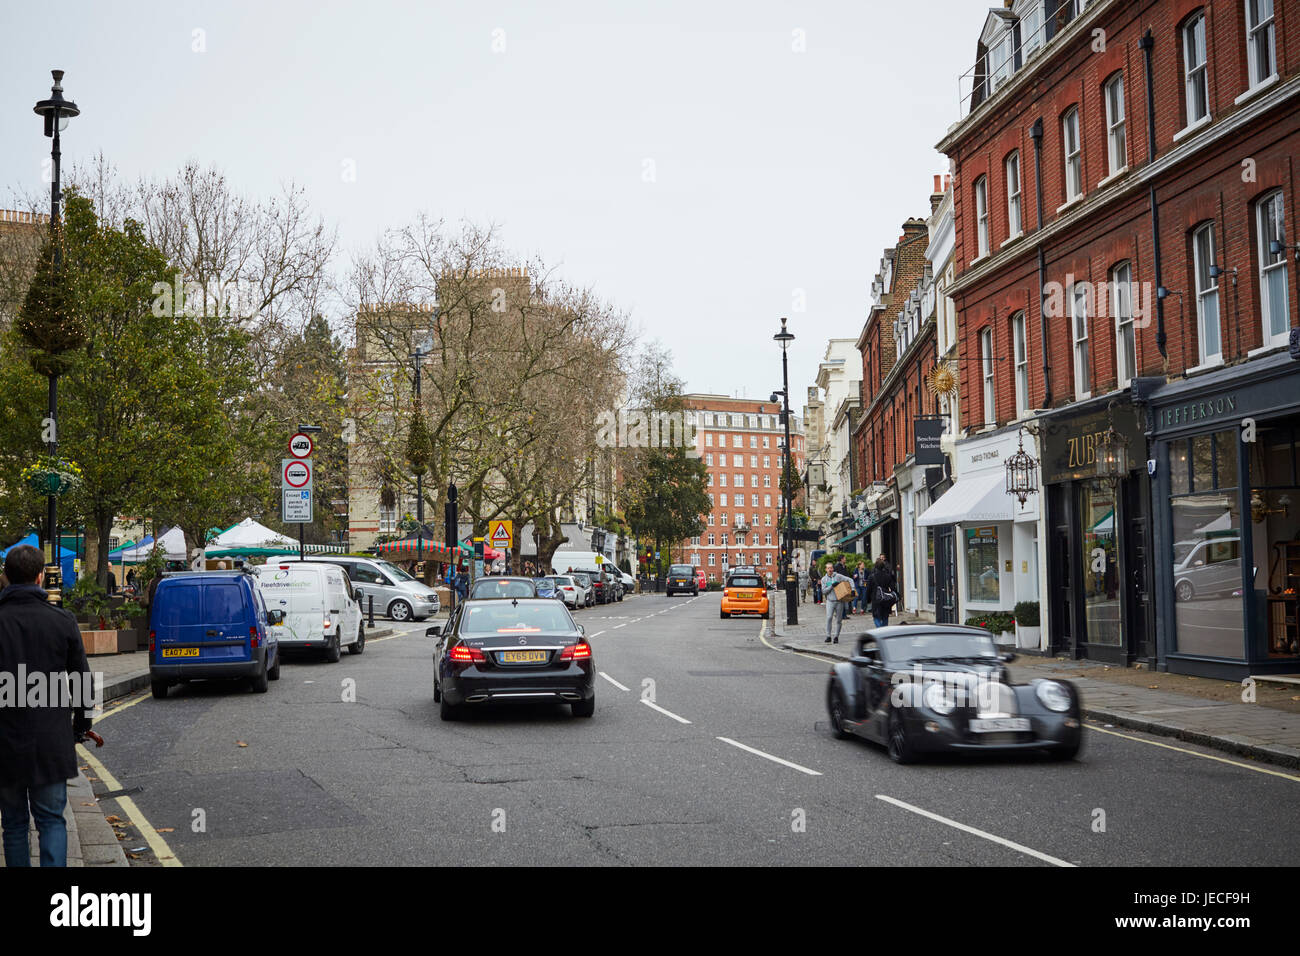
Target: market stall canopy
pixel 418 549
pixel 171 540
pixel 250 534
pixel 67 557
pixel 981 497
pixel 116 554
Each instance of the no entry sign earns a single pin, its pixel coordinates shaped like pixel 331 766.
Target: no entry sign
pixel 296 473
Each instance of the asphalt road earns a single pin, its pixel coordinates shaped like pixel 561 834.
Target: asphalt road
pixel 733 764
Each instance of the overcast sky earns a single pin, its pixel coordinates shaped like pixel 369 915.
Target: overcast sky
pixel 684 158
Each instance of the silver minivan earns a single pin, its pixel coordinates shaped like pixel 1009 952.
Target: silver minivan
pixel 397 594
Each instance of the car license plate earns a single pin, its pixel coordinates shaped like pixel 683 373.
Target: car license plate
pixel 523 657
pixel 985 725
pixel 180 652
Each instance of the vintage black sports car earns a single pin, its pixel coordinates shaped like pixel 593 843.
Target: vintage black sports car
pixel 927 688
pixel 520 650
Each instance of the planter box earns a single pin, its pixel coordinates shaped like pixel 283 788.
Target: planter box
pixel 1029 638
pixel 1005 639
pixel 99 642
pixel 128 640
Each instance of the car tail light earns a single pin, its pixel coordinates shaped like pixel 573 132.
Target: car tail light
pixel 153 637
pixel 252 636
pixel 465 654
pixel 576 652
pixel 328 624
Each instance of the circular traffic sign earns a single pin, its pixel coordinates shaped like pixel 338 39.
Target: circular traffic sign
pixel 297 474
pixel 301 445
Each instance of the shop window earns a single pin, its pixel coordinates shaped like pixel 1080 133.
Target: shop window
pixel 983 581
pixel 1206 548
pixel 1100 562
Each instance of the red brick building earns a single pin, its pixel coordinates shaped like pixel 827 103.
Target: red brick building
pixel 741 442
pixel 1125 208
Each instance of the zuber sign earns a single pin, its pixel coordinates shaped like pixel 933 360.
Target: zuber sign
pixel 1070 444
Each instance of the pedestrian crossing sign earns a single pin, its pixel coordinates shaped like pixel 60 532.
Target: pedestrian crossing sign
pixel 501 534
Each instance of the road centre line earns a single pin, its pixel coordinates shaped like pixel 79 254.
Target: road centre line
pixel 1019 848
pixel 617 626
pixel 151 836
pixel 767 756
pixel 1193 753
pixel 598 633
pixel 666 713
pixel 612 681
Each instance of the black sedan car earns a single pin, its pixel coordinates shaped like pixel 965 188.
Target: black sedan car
pixel 929 688
pixel 525 650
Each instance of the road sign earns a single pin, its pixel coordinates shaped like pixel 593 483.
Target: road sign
pixel 295 473
pixel 600 559
pixel 501 534
pixel 301 445
pixel 296 506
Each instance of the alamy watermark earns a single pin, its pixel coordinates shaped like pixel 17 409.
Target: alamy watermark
pixel 624 428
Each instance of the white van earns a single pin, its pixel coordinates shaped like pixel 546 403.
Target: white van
pixel 562 561
pixel 321 609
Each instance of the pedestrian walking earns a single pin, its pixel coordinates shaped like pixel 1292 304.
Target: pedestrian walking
pixel 37 755
pixel 803 585
pixel 836 588
pixel 884 591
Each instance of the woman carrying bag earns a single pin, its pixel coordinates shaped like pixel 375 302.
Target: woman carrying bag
pixel 883 584
pixel 837 588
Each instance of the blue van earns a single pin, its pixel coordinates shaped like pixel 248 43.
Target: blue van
pixel 211 624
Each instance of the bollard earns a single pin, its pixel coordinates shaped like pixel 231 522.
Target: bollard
pixel 370 622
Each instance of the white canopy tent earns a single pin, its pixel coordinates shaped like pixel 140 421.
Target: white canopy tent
pixel 173 544
pixel 250 534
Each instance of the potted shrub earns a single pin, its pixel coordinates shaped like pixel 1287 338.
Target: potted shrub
pixel 1029 633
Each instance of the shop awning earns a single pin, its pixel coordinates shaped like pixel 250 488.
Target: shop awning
pixel 981 497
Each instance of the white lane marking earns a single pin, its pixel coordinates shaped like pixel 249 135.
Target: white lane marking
pixel 979 833
pixel 612 681
pixel 666 713
pixel 784 763
pixel 617 626
pixel 598 633
pixel 1193 753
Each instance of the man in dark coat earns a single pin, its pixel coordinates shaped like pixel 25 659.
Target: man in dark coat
pixel 38 733
pixel 882 580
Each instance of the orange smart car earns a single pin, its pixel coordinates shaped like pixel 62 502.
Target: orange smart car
pixel 745 594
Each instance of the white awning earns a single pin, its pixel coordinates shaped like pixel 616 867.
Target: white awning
pixel 981 497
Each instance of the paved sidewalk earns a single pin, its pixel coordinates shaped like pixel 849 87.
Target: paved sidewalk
pixel 91 840
pixel 1249 730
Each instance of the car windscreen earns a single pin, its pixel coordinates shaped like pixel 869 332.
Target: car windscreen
pixel 582 579
pixel 488 588
pixel 395 571
pixel 561 582
pixel 744 581
pixel 512 617
pixel 918 647
pixel 685 570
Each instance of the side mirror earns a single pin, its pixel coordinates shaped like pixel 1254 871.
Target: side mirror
pixel 582 630
pixel 275 617
pixel 1007 657
pixel 862 661
pixel 434 631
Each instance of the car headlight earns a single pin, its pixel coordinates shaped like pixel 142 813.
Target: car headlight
pixel 940 698
pixel 1053 696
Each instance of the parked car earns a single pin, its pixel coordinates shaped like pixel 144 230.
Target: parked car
pixel 942 687
pixel 629 582
pixel 701 582
pixel 521 651
pixel 211 624
pixel 568 590
pixel 502 586
pixel 320 609
pixel 601 584
pixel 588 593
pixel 681 578
pixel 397 594
pixel 745 594
pixel 546 587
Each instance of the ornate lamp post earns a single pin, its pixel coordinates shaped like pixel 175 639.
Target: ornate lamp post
pixel 785 337
pixel 56 112
pixel 1112 455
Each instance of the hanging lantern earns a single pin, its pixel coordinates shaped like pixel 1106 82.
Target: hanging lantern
pixel 1112 457
pixel 1022 473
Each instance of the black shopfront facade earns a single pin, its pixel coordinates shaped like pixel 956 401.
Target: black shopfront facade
pixel 1224 447
pixel 1099 533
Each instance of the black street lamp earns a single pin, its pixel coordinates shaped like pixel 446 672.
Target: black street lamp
pixel 56 112
pixel 785 337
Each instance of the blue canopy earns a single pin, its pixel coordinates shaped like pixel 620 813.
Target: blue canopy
pixel 116 553
pixel 67 558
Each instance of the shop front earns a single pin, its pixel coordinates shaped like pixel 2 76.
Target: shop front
pixel 1099 532
pixel 1226 483
pixel 985 542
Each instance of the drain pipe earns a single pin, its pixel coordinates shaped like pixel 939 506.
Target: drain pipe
pixel 1036 134
pixel 1148 44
